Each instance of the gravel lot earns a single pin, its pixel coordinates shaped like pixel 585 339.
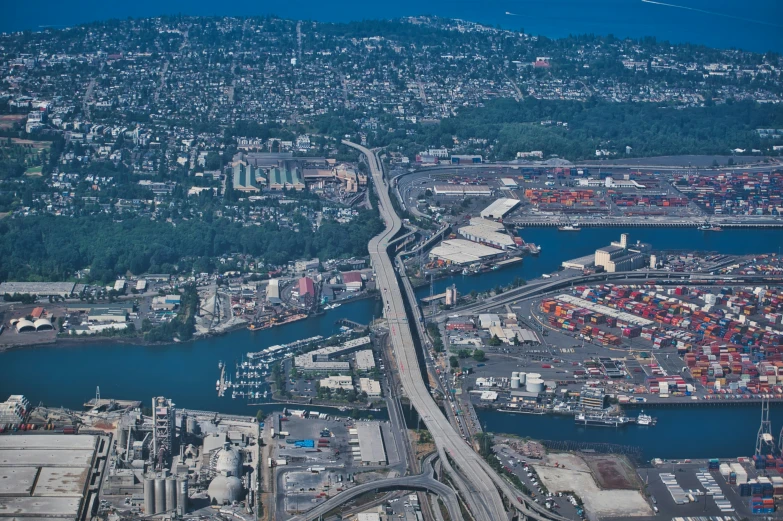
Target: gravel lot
pixel 576 477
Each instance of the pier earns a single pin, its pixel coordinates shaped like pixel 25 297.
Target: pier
pixel 351 324
pixel 222 383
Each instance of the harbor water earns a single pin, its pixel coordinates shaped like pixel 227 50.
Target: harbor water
pixel 66 375
pixel 681 432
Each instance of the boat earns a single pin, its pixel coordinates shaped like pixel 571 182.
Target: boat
pixel 710 228
pixel 336 305
pixel 645 419
pixel 466 271
pixel 569 228
pixel 600 420
pixel 220 364
pixel 217 385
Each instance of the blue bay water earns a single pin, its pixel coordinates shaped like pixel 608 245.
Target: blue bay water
pixel 752 24
pixel 67 375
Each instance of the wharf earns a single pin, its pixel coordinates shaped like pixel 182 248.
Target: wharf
pixel 637 223
pixel 439 296
pixel 512 260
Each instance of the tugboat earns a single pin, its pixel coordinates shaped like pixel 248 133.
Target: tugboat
pixel 569 228
pixel 600 420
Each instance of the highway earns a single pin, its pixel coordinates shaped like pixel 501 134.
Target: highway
pixel 476 480
pixel 482 497
pixel 424 481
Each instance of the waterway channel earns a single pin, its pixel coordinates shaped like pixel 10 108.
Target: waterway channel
pixel 67 375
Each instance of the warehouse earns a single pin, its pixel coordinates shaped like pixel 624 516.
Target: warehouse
pixel 460 251
pixel 487 232
pixel 507 182
pixel 273 292
pixel 39 289
pixel 463 190
pixel 500 208
pixel 371 443
pixel 46 475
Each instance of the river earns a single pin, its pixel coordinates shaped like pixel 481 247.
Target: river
pixel 68 375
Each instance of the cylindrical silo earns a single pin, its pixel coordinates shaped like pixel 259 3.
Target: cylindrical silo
pixel 160 495
pixel 515 374
pixel 149 496
pixel 522 378
pixel 191 425
pixel 122 436
pixel 534 385
pixel 515 382
pixel 533 375
pixel 171 494
pixel 182 500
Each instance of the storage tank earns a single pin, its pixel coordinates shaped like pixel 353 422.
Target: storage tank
pixel 515 374
pixel 160 495
pixel 534 385
pixel 515 382
pixel 192 426
pixel 182 500
pixel 149 496
pixel 533 375
pixel 171 494
pixel 522 377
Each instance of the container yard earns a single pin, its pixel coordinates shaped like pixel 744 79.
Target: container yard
pixel 728 338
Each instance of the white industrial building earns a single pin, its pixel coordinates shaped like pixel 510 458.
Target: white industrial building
pixel 461 251
pixel 463 190
pixel 500 208
pixel 609 182
pixel 487 232
pixel 507 182
pixel 337 382
pixel 621 256
pixel 371 449
pixel 273 292
pixel 371 387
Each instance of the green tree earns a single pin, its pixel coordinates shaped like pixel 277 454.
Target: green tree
pixel 479 356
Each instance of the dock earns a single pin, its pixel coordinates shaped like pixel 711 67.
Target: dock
pixel 222 384
pixel 512 260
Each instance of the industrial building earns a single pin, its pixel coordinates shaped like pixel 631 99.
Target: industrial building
pixel 306 288
pixel 273 292
pixel 488 233
pixel 285 178
pixel 621 256
pixel 462 190
pixel 50 475
pixel 365 360
pixel 500 208
pixel 592 397
pixel 371 449
pixel 371 387
pixel 337 382
pixel 507 182
pixel 609 182
pixel 163 430
pixel 40 289
pixel 246 177
pixel 581 263
pixel 461 251
pixel 321 360
pixel 353 281
pixel 107 314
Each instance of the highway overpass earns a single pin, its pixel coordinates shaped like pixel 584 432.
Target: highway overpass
pixel 477 481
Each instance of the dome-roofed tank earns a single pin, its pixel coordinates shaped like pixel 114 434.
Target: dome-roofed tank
pixel 228 461
pixel 224 490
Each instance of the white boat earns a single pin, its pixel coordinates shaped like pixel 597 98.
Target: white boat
pixel 569 228
pixel 645 419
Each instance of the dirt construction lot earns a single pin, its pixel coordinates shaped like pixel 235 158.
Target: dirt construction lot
pixel 577 477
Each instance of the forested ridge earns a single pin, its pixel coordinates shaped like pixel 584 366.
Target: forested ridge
pixel 650 129
pixel 53 248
